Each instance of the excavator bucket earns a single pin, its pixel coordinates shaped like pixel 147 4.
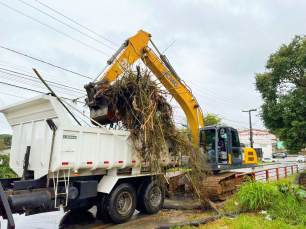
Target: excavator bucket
pixel 100 106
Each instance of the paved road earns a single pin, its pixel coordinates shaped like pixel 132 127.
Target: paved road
pixel 87 220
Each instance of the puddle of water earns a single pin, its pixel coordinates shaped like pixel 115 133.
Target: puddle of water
pixel 48 220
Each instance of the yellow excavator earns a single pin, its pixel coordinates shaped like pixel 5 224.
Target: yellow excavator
pixel 220 142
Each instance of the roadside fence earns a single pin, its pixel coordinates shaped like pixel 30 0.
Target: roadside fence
pixel 270 174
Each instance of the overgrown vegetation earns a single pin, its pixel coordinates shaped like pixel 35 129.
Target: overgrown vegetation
pixel 5 170
pixel 7 139
pixel 246 221
pixel 2 145
pixel 282 199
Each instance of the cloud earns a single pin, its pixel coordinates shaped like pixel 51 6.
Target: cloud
pixel 219 45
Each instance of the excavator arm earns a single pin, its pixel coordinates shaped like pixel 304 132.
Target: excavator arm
pixel 132 49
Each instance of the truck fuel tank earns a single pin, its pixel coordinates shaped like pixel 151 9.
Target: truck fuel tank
pixel 29 200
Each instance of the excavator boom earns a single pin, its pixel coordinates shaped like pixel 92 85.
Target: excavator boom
pixel 132 49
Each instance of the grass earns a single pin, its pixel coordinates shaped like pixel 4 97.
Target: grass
pixel 247 221
pixel 283 201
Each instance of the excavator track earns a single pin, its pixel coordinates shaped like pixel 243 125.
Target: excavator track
pixel 219 187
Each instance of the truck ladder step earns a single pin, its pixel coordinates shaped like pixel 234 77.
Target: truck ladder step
pixel 65 180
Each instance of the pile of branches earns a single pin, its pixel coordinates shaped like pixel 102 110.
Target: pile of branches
pixel 141 106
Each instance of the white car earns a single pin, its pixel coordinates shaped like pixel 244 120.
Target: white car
pixel 267 159
pixel 301 159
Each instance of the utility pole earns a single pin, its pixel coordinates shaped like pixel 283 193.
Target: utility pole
pixel 251 133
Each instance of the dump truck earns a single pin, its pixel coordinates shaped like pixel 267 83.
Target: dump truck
pixel 61 164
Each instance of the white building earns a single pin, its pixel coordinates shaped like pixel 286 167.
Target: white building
pixel 262 139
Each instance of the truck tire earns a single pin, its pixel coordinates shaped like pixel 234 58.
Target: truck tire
pixel 119 205
pixel 151 197
pixel 102 212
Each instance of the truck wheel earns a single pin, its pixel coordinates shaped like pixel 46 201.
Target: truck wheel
pixel 102 212
pixel 119 205
pixel 151 197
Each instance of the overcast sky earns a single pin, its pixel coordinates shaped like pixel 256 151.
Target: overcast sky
pixel 219 45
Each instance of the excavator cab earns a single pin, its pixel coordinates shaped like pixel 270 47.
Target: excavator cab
pixel 222 146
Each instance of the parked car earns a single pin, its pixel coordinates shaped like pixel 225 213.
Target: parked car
pixel 267 159
pixel 281 155
pixel 301 159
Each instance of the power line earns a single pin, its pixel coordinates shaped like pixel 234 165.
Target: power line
pixel 13 95
pixel 215 94
pixel 29 70
pixel 28 89
pixel 67 25
pixel 57 30
pixel 78 90
pixel 217 101
pixel 256 121
pixel 22 87
pixel 234 121
pixel 219 97
pixel 222 119
pixel 36 83
pixel 44 61
pixel 76 23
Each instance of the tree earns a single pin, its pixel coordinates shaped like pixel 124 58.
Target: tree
pixel 283 89
pixel 2 145
pixel 7 139
pixel 211 119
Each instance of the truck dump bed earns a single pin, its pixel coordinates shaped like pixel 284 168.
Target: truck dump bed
pixel 90 150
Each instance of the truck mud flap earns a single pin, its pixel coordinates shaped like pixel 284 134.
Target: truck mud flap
pixel 5 210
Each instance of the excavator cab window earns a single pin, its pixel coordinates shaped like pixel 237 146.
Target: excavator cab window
pixel 235 139
pixel 207 144
pixel 207 139
pixel 236 149
pixel 222 146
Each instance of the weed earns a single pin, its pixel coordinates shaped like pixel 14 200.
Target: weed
pixel 257 195
pixel 282 199
pixel 231 205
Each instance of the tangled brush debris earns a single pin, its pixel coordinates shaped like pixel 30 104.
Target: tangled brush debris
pixel 139 104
